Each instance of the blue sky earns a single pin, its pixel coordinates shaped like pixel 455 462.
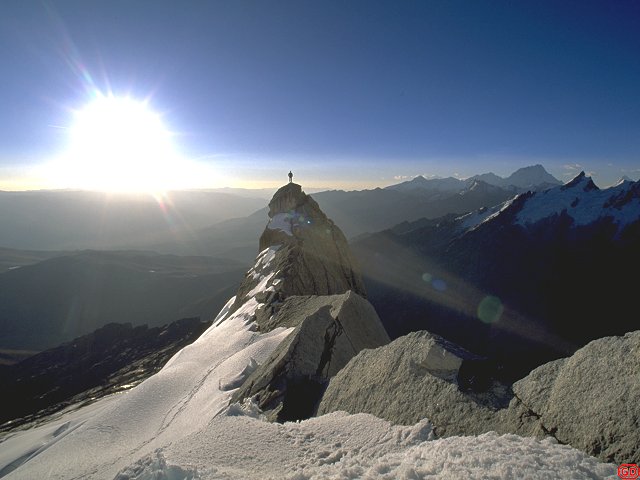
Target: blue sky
pixel 345 93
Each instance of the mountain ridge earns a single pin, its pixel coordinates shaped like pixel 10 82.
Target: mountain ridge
pixel 525 259
pixel 269 355
pixel 533 177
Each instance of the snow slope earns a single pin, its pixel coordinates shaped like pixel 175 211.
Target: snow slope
pixel 194 387
pixel 581 199
pixel 178 425
pixel 238 444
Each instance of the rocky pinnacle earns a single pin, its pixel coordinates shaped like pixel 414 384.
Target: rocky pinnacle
pixel 312 256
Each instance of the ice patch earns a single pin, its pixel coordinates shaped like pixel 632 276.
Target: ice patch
pixel 282 222
pixel 248 408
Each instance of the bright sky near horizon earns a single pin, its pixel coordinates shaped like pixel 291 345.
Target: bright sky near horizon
pixel 346 94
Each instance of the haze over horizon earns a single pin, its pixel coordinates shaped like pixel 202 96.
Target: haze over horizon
pixel 153 96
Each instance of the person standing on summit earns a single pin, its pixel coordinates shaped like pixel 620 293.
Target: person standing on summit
pixel 290 176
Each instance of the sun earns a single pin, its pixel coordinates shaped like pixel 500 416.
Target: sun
pixel 120 144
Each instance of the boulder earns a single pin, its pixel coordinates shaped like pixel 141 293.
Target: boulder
pixel 327 332
pixel 418 376
pixel 590 400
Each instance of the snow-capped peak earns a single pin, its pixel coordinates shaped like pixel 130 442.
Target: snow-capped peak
pixel 624 179
pixel 582 181
pixel 528 177
pixel 580 198
pixel 583 201
pixel 434 183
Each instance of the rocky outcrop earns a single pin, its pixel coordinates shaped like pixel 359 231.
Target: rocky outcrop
pixel 328 332
pixel 424 377
pixel 313 257
pixel 590 400
pixel 304 279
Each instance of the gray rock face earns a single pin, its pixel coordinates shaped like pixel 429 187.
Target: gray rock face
pixel 592 399
pixel 306 279
pixel 414 377
pixel 302 252
pixel 328 332
pixel 314 256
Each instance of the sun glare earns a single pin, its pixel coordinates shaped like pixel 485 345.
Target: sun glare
pixel 120 144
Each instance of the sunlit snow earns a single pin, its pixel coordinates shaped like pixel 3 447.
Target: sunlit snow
pixel 178 424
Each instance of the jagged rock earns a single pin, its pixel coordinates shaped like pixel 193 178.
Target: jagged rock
pixel 424 377
pixel 312 256
pixel 592 399
pixel 328 332
pixel 589 400
pixel 305 279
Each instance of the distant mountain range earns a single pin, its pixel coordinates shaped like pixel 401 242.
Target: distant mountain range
pixel 72 220
pixel 47 297
pixel 534 177
pixel 528 280
pixel 114 358
pixel 225 222
pixel 55 300
pixel 365 211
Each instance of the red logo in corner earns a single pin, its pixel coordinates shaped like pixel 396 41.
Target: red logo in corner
pixel 628 471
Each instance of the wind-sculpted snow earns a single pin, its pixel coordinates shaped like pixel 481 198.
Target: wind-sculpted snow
pixel 341 446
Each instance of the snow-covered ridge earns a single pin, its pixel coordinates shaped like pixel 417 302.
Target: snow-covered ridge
pixel 580 198
pixel 263 272
pixel 472 220
pixel 584 202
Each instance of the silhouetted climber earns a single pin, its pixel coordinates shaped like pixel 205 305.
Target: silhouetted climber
pixel 290 176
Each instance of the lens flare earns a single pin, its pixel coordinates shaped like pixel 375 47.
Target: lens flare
pixel 439 284
pixel 490 309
